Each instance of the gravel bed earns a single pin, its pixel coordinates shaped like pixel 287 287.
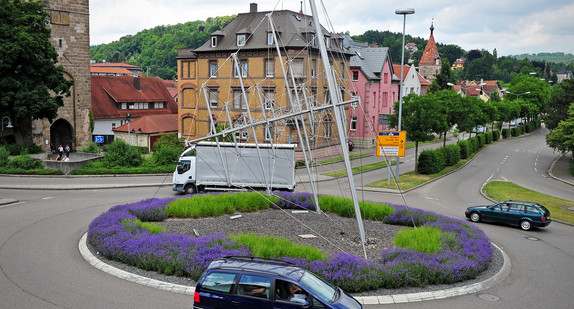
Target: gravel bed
pixel 334 234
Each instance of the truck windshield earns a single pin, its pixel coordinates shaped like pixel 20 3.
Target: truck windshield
pixel 183 166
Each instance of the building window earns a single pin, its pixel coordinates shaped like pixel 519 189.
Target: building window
pixel 342 70
pixel 241 40
pixel 238 101
pixel 328 42
pixel 312 39
pixel 213 98
pixel 353 124
pixel 355 76
pixel 269 132
pixel 313 97
pixel 269 67
pixel 213 128
pixel 297 66
pixel 270 38
pixel 242 67
pixel 213 41
pixel 113 125
pixel 240 121
pixel 213 68
pixel 269 99
pixel 386 78
pixel 313 67
pixel 327 122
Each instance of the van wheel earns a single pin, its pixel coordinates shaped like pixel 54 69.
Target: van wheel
pixel 190 189
pixel 525 225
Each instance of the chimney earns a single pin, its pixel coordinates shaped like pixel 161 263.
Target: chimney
pixel 253 8
pixel 137 83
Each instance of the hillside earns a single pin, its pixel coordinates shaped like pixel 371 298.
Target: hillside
pixel 550 57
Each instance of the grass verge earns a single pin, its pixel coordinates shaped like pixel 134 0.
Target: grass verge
pixel 266 246
pixel 359 169
pixel 425 239
pixel 410 180
pixel 503 190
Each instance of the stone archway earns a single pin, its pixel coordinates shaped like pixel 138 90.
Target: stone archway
pixel 61 133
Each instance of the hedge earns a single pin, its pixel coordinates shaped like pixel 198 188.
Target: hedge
pixel 452 154
pixel 431 161
pixel 465 150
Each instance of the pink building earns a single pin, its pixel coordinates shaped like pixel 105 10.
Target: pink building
pixel 374 82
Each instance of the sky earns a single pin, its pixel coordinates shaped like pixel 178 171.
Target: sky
pixel 511 27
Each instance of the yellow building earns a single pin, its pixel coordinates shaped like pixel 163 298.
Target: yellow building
pixel 209 79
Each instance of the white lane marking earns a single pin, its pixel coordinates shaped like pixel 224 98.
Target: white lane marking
pixel 13 204
pixel 48 197
pixel 431 198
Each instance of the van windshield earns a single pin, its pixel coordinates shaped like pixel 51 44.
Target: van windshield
pixel 324 291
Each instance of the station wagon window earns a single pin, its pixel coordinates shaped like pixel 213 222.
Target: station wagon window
pixel 532 210
pixel 516 208
pixel 255 286
pixel 220 282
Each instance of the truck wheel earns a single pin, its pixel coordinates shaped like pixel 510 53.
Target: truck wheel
pixel 190 189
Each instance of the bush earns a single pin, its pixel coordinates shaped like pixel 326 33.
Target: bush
pixel 464 149
pixel 495 135
pixel 452 154
pixel 488 137
pixel 25 162
pixel 473 144
pixel 16 149
pixel 91 147
pixel 4 156
pixel 119 154
pixel 515 132
pixel 481 140
pixel 167 149
pixel 431 161
pixel 505 133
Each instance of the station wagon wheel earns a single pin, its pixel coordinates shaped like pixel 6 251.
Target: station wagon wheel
pixel 475 217
pixel 525 225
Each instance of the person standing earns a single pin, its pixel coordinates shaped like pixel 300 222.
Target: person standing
pixel 60 152
pixel 67 151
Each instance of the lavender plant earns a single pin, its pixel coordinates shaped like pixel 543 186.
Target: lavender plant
pixel 466 251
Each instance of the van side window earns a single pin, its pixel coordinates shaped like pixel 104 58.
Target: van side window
pixel 183 166
pixel 220 282
pixel 255 286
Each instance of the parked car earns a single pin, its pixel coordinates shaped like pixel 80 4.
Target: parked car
pixel 247 282
pixel 526 215
pixel 479 129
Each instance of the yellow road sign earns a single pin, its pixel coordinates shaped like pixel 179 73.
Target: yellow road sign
pixel 391 143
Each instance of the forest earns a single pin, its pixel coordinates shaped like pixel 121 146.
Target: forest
pixel 155 50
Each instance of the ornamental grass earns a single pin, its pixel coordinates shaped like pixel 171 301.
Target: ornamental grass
pixel 121 234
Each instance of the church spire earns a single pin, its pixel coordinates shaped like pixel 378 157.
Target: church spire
pixel 301 12
pixel 432 27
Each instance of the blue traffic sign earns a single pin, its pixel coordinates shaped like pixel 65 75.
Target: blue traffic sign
pixel 99 139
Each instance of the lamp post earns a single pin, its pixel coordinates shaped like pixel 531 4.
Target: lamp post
pixel 518 94
pixel 8 126
pixel 403 12
pixel 128 115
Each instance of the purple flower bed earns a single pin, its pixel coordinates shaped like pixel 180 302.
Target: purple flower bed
pixel 465 254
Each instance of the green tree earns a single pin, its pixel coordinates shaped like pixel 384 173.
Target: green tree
pixel 530 88
pixel 420 117
pixel 167 149
pixel 32 85
pixel 562 96
pixel 443 78
pixel 562 138
pixel 120 154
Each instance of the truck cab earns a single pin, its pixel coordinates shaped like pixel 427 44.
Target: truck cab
pixel 184 179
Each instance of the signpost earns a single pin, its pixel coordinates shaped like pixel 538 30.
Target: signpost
pixel 391 143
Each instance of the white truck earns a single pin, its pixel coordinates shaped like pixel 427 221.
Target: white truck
pixel 225 166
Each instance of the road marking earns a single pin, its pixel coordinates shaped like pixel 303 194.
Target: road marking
pixel 431 198
pixel 13 204
pixel 48 197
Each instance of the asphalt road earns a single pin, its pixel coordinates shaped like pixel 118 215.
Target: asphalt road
pixel 40 266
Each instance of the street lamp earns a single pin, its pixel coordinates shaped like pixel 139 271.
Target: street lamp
pixel 128 115
pixel 9 126
pixel 403 12
pixel 518 94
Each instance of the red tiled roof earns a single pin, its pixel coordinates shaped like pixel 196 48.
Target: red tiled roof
pixel 424 81
pixel 111 64
pixel 150 124
pixel 110 70
pixel 397 70
pixel 430 54
pixel 108 92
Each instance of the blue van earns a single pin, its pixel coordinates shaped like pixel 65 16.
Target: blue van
pixel 249 282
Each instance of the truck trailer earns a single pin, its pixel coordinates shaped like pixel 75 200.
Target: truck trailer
pixel 227 166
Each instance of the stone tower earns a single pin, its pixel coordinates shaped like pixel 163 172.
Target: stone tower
pixel 430 63
pixel 70 24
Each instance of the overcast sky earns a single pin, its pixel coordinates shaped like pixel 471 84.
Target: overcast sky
pixel 511 26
